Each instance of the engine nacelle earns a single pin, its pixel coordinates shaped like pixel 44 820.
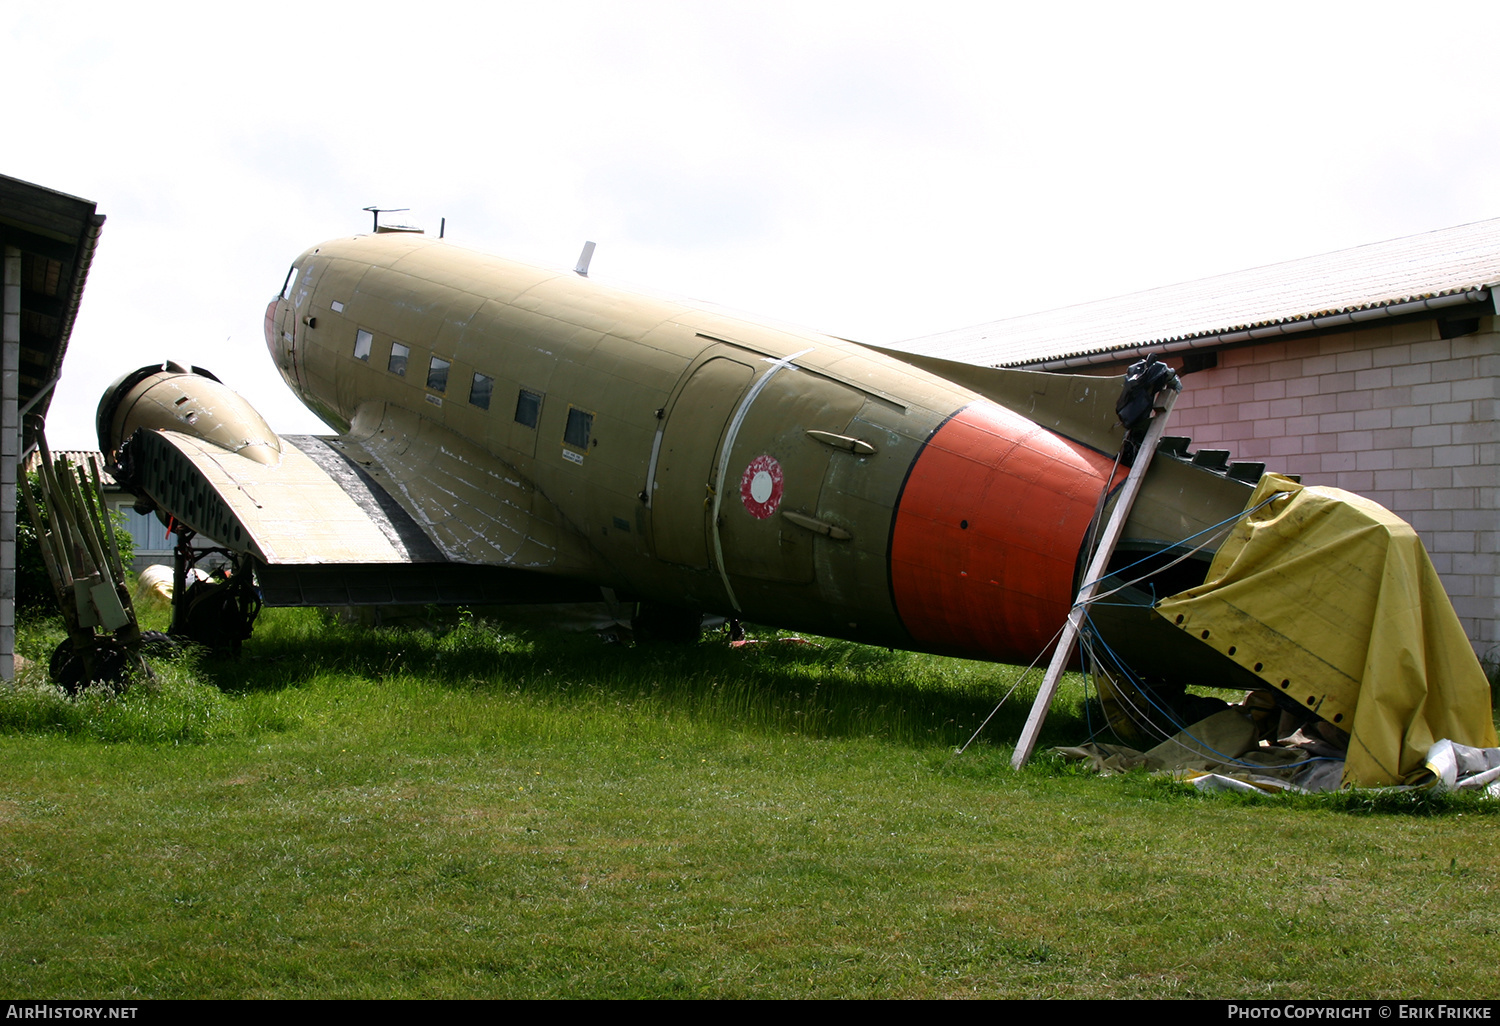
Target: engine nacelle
pixel 137 418
pixel 169 397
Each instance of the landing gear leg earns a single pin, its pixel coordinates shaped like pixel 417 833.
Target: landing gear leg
pixel 216 609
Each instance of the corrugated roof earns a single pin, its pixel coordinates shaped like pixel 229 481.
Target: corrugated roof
pixel 1398 276
pixel 57 235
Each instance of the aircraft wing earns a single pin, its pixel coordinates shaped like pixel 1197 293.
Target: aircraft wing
pixel 474 507
pixel 392 512
pixel 311 507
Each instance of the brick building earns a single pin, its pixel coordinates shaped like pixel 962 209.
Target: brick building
pixel 1374 369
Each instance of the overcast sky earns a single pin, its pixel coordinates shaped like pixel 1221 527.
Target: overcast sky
pixel 876 171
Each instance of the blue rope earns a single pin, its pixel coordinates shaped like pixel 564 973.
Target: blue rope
pixel 1184 542
pixel 1182 728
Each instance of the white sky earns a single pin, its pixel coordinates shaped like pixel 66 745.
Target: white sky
pixel 876 171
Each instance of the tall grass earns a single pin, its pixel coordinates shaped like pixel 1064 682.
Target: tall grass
pixel 820 689
pixel 547 683
pixel 178 704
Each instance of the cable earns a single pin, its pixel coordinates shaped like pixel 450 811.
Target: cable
pixel 1090 635
pixel 1227 759
pixel 1214 528
pixel 1004 698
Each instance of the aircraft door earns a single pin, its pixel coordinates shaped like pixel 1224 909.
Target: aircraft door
pixel 774 468
pixel 681 486
pixel 294 309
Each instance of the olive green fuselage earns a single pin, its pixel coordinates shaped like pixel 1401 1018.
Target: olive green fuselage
pixel 542 422
pixel 629 417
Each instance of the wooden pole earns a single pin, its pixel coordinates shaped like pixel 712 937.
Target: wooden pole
pixel 113 547
pixel 1112 532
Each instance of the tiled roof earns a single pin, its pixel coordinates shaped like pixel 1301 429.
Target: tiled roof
pixel 1436 269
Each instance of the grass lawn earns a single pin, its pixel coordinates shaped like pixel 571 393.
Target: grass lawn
pixel 349 812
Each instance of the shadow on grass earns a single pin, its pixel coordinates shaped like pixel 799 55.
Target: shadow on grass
pixel 827 688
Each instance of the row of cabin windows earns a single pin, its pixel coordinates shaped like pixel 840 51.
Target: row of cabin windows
pixel 528 403
pixel 480 389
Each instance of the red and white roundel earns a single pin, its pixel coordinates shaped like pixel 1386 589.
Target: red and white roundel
pixel 760 487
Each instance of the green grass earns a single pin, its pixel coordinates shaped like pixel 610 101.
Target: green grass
pixel 366 813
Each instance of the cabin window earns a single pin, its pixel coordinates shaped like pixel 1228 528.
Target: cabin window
pixel 362 340
pixel 580 426
pixel 397 363
pixel 528 408
pixel 479 391
pixel 437 375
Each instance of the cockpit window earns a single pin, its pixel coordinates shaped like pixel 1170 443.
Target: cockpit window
pixel 397 362
pixel 290 283
pixel 362 340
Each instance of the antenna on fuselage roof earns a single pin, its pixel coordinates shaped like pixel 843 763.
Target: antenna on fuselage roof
pixel 375 213
pixel 582 270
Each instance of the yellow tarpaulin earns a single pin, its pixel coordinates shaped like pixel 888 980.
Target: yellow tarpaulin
pixel 1331 599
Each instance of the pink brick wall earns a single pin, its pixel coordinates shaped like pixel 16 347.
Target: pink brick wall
pixel 1394 413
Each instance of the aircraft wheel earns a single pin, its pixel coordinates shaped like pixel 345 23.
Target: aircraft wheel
pixel 113 666
pixel 221 613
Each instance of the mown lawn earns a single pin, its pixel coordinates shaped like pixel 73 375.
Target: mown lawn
pixel 405 813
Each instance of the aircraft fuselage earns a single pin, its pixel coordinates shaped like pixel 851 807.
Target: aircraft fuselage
pixel 688 456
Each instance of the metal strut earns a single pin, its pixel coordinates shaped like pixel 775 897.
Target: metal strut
pixel 1111 537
